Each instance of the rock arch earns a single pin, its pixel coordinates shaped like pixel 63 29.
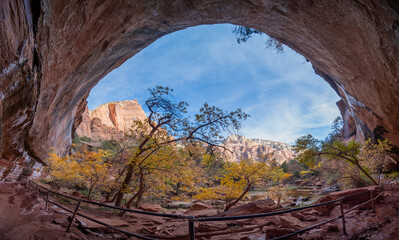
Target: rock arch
pixel 54 51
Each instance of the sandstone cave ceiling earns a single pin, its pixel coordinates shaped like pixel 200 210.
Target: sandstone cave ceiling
pixel 54 52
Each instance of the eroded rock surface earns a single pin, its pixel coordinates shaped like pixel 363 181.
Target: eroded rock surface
pixel 110 121
pixel 245 148
pixel 54 51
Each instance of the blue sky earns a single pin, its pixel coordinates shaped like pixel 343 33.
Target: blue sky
pixel 281 92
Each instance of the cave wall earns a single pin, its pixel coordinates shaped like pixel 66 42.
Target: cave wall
pixel 54 51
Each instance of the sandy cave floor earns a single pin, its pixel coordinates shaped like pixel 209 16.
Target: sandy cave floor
pixel 23 217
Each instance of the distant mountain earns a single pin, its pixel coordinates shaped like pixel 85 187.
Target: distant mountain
pixel 243 147
pixel 109 121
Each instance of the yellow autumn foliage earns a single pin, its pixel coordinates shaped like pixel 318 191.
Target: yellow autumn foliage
pixel 238 179
pixel 87 168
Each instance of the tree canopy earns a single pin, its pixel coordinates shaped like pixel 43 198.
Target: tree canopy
pixel 369 158
pixel 244 33
pixel 169 125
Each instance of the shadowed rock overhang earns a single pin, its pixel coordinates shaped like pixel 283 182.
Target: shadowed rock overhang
pixel 54 51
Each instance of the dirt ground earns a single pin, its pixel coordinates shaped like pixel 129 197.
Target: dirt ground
pixel 23 217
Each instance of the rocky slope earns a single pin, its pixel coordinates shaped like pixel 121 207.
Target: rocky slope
pixel 245 148
pixel 109 121
pixel 23 216
pixel 54 51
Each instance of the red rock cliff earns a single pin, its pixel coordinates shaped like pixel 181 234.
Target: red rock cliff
pixel 109 121
pixel 245 148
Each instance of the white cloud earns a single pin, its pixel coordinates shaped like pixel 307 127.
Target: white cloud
pixel 282 93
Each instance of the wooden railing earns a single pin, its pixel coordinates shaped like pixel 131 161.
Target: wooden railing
pixel 46 194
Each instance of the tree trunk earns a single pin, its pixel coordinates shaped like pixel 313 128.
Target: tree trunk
pixel 130 169
pixel 108 195
pixel 239 198
pixel 139 193
pixel 126 182
pixel 111 191
pixel 90 188
pixel 367 175
pixel 129 203
pixel 137 196
pixel 89 193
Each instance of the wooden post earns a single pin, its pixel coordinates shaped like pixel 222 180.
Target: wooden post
pixel 73 215
pixel 37 191
pixel 372 201
pixel 47 197
pixel 341 202
pixel 191 228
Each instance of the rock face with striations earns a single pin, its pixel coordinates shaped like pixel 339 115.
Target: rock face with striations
pixel 110 121
pixel 54 51
pixel 245 148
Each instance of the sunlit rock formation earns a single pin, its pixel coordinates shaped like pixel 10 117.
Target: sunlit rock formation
pixel 258 149
pixel 348 131
pixel 54 51
pixel 110 121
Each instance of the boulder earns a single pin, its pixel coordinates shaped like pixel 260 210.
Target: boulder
pixel 261 206
pixel 310 212
pixel 76 194
pixel 301 182
pixel 314 234
pixel 297 215
pixel 331 189
pixel 325 209
pixel 95 226
pixel 352 200
pixel 202 213
pixel 309 218
pixel 291 222
pixel 211 226
pixel 288 203
pixel 272 232
pixel 355 200
pixel 246 222
pixel 198 206
pixel 319 184
pixel 201 210
pixel 177 204
pixel 331 227
pixel 150 207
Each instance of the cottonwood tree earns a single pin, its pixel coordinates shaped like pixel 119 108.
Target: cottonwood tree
pixel 94 170
pixel 237 180
pixel 63 168
pixel 312 151
pixel 276 176
pixel 170 171
pixel 168 124
pixel 85 168
pixel 278 193
pixel 377 156
pixel 120 152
